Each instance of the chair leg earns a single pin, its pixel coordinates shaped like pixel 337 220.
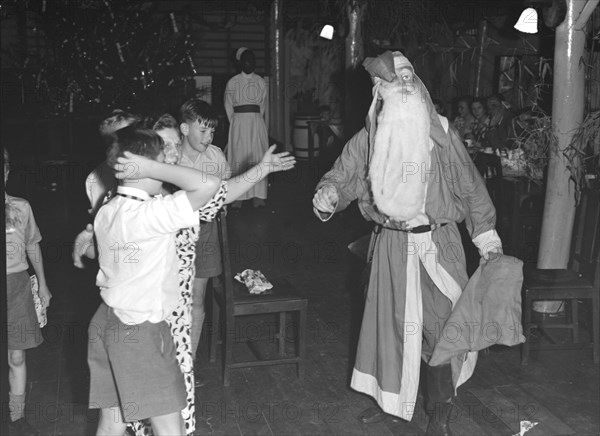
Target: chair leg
pixel 596 326
pixel 301 342
pixel 215 329
pixel 527 308
pixel 228 339
pixel 575 319
pixel 281 345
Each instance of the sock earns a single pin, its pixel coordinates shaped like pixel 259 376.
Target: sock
pixel 16 406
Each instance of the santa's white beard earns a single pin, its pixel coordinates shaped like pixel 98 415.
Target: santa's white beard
pixel 398 168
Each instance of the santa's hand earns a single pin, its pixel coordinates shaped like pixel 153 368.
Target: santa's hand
pixel 489 245
pixel 492 254
pixel 326 199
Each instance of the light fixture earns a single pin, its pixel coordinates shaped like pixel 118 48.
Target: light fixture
pixel 528 21
pixel 327 31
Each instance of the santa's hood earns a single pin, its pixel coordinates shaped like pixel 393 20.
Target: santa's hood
pixel 385 67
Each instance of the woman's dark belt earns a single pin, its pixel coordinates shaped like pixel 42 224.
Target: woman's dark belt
pixel 419 229
pixel 245 108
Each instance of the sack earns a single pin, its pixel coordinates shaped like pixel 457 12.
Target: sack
pixel 487 313
pixel 40 310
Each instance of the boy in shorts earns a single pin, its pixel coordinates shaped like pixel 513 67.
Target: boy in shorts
pixel 133 369
pixel 198 123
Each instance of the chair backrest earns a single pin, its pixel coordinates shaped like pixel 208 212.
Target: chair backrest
pixel 227 278
pixel 586 240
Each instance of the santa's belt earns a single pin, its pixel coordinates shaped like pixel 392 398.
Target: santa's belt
pixel 245 108
pixel 419 229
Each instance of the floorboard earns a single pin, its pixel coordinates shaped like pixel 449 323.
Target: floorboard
pixel 557 389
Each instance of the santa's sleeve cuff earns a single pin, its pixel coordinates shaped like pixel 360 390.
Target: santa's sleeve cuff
pixel 487 242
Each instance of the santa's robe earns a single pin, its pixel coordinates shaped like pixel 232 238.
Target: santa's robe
pixel 389 350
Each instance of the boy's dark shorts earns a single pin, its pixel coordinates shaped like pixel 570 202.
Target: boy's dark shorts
pixel 133 367
pixel 208 251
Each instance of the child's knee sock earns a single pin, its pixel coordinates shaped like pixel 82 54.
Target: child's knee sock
pixel 16 406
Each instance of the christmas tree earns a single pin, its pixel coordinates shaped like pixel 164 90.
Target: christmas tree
pixel 105 54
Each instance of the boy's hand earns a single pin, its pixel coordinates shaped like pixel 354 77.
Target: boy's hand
pixel 133 166
pixel 277 162
pixel 82 242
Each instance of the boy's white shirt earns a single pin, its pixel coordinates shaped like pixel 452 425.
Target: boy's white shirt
pixel 138 274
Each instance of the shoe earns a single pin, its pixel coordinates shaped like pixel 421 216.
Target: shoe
pixel 258 202
pixel 21 427
pixel 236 205
pixel 372 415
pixel 439 421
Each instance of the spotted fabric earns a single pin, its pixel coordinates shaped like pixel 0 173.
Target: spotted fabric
pixel 209 211
pixel 181 318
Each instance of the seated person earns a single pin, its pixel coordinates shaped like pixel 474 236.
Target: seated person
pixel 439 107
pixel 463 122
pixel 500 133
pixel 481 123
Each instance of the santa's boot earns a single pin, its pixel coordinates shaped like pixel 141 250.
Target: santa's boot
pixel 439 394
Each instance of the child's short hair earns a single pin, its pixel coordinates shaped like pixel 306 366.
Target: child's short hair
pixel 199 110
pixel 117 120
pixel 165 121
pixel 143 142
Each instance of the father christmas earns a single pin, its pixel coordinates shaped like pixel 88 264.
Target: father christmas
pixel 412 177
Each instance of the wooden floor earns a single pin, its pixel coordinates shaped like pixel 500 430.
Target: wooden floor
pixel 558 390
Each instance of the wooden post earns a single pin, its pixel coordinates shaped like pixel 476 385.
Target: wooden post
pixel 355 51
pixel 355 54
pixel 567 115
pixel 278 125
pixel 479 68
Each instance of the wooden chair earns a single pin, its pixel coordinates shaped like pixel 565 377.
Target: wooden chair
pixel 580 281
pixel 232 300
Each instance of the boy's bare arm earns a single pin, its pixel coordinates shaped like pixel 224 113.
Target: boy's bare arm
pixel 200 187
pixel 270 163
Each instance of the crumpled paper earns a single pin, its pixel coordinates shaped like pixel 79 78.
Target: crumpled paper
pixel 525 427
pixel 255 281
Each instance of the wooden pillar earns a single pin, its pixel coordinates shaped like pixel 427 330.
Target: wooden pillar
pixel 482 36
pixel 355 51
pixel 567 115
pixel 355 54
pixel 277 73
